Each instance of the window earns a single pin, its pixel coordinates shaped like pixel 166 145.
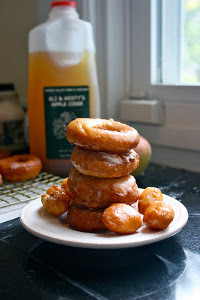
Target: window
pixel 178 47
pixel 190 50
pixel 165 33
pixel 165 66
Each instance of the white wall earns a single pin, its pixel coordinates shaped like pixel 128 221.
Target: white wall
pixel 16 19
pixel 111 21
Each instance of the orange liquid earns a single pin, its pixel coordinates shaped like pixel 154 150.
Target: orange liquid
pixel 52 69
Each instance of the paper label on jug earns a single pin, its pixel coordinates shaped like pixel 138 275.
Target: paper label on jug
pixel 62 105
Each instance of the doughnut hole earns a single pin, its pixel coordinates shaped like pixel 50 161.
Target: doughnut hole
pixel 158 215
pixel 55 201
pixel 22 159
pixel 65 188
pixel 149 195
pixel 121 218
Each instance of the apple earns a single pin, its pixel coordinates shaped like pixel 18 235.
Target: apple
pixel 144 151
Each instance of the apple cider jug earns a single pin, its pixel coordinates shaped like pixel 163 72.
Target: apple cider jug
pixel 62 83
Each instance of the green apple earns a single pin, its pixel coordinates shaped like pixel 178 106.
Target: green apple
pixel 144 151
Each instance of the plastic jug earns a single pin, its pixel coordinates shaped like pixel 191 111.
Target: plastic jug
pixel 62 84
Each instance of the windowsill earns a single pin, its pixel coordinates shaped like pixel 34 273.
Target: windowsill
pixel 181 93
pixel 156 84
pixel 175 142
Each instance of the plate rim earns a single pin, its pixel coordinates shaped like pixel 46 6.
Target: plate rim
pixel 162 235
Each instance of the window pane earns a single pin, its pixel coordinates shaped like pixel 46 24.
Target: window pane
pixel 178 41
pixel 191 42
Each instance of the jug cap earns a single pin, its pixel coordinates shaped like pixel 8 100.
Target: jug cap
pixel 67 3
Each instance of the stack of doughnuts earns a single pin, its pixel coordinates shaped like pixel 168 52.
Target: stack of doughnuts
pixel 103 158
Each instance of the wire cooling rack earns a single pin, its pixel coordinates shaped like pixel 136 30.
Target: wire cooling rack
pixel 20 192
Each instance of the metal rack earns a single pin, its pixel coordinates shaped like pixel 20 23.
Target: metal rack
pixel 20 192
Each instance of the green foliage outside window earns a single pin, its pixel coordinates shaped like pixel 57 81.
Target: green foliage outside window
pixel 191 42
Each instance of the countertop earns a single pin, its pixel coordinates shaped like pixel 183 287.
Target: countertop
pixel 31 268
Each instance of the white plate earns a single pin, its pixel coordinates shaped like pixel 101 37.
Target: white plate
pixel 49 228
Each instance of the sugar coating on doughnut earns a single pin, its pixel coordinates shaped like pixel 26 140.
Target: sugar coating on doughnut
pixel 92 191
pixel 103 164
pixel 102 135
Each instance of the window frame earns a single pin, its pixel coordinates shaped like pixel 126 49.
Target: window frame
pixel 145 81
pixel 175 137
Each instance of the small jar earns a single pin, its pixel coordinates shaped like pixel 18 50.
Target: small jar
pixel 11 119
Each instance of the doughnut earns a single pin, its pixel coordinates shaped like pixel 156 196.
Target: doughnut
pixel 55 201
pixel 103 164
pixel 85 219
pixel 158 215
pixel 1 181
pixel 121 218
pixel 4 154
pixel 102 135
pixel 20 167
pixel 149 195
pixel 94 192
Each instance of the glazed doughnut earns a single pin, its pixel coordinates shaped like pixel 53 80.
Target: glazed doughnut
pixel 103 164
pixel 1 181
pixel 102 135
pixel 55 201
pixel 121 218
pixel 85 219
pixel 20 167
pixel 91 191
pixel 158 215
